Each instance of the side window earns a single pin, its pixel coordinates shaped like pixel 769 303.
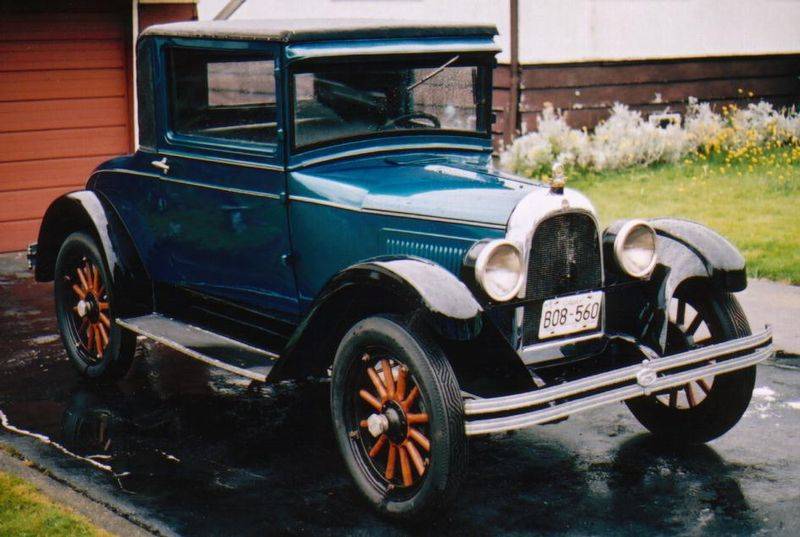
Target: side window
pixel 147 115
pixel 222 96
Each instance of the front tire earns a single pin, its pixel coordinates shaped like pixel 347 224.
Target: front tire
pixel 84 295
pixel 398 418
pixel 707 408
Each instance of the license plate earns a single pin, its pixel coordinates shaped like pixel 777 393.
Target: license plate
pixel 570 314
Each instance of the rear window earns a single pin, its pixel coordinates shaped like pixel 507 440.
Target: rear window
pixel 222 96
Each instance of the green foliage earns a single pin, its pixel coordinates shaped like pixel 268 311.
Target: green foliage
pixel 752 200
pixel 25 512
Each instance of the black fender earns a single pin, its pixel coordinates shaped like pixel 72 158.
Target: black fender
pixel 90 211
pixel 381 285
pixel 721 262
pixel 686 250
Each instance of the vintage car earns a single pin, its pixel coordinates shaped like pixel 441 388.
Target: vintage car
pixel 318 199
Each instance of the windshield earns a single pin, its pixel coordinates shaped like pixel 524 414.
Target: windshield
pixel 345 100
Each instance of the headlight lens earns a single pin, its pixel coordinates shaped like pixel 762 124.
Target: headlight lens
pixel 499 270
pixel 635 248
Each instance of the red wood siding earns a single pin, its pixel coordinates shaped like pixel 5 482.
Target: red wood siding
pixel 64 104
pixel 586 91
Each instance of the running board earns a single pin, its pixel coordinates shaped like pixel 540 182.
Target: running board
pixel 203 345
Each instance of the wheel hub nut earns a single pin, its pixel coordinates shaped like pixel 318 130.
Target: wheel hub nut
pixel 377 424
pixel 83 308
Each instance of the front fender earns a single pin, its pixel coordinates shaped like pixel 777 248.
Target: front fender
pixel 86 210
pixel 438 290
pixel 382 285
pixel 418 284
pixel 720 260
pixel 686 250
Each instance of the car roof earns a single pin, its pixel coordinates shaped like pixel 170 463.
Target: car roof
pixel 306 30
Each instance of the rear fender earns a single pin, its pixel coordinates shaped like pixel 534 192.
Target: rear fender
pixel 89 211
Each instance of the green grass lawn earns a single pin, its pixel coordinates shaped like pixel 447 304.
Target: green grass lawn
pixel 755 203
pixel 25 512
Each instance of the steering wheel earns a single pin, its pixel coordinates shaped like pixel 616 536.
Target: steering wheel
pixel 406 120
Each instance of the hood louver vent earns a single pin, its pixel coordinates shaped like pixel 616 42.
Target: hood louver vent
pixel 448 252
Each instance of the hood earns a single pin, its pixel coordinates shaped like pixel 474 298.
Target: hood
pixel 457 187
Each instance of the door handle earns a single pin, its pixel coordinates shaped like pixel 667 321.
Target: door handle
pixel 161 165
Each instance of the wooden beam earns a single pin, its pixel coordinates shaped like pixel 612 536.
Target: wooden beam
pixel 511 124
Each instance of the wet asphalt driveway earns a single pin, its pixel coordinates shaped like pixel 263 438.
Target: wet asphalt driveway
pixel 183 449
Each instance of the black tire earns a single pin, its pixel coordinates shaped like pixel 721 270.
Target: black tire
pixel 728 395
pixel 113 359
pixel 395 339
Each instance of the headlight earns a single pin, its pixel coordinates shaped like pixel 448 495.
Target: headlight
pixel 499 269
pixel 635 248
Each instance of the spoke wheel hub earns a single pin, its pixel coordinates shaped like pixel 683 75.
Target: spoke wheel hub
pixel 377 424
pixel 90 307
pixel 397 424
pixel 83 308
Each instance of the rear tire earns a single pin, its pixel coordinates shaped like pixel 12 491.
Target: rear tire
pixel 84 296
pixel 706 409
pixel 426 434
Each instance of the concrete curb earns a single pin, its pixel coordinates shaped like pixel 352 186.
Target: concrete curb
pixel 62 494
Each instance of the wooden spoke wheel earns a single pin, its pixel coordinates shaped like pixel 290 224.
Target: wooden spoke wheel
pixel 398 417
pixel 85 307
pixel 392 421
pixel 91 320
pixel 701 410
pixel 688 329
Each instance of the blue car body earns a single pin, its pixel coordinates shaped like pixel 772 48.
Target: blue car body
pixel 285 245
pixel 269 228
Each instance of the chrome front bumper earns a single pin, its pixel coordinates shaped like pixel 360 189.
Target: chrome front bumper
pixel 654 374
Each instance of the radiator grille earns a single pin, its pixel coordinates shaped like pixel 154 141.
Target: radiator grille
pixel 565 258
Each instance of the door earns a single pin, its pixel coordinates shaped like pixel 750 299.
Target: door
pixel 222 212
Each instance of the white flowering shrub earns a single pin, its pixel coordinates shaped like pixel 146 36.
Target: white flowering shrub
pixel 788 128
pixel 626 139
pixel 530 155
pixel 534 154
pixel 702 124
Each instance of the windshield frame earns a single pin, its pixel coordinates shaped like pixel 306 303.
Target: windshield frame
pixel 483 61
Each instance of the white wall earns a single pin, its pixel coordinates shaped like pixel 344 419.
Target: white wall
pixel 572 30
pixel 575 30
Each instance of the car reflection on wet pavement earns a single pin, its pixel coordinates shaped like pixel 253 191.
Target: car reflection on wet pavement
pixel 186 449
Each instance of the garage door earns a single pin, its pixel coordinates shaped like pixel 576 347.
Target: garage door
pixel 64 108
